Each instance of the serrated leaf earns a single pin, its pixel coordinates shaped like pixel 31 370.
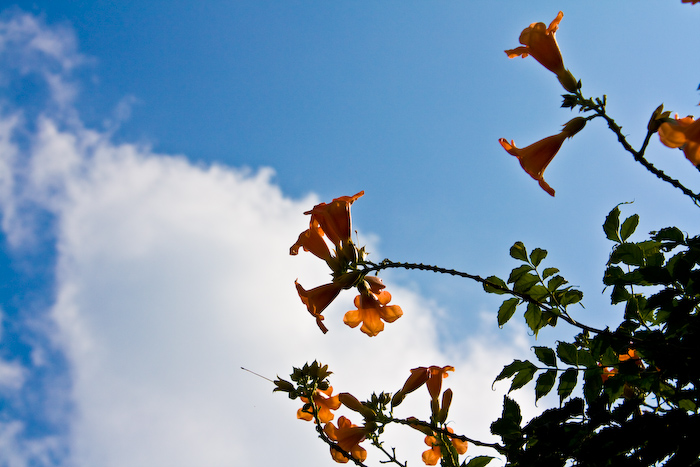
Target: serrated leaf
pixel 612 275
pixel 545 383
pixel 505 312
pixel 525 281
pixel 518 251
pixel 555 282
pixel 533 318
pixel 516 273
pixel 537 255
pixel 629 226
pixel 570 297
pixel 672 234
pixel 609 357
pixel 567 383
pixel 627 253
pixel 478 461
pixel 567 353
pixel 512 368
pixel 592 384
pixel 538 292
pixel 619 294
pixel 523 377
pixel 496 281
pixel 546 355
pixel 549 272
pixel 508 426
pixel 612 225
pixel 586 359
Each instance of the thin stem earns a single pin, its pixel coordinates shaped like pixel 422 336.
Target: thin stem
pixel 391 456
pixel 387 264
pixel 599 109
pixel 444 431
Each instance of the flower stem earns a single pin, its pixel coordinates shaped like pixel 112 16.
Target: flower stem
pixel 599 109
pixel 387 264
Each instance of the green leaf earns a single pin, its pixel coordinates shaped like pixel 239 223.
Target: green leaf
pixel 629 226
pixel 612 275
pixel 505 312
pixel 523 377
pixel 612 225
pixel 549 272
pixel 585 358
pixel 478 461
pixel 516 273
pixel 525 281
pixel 672 234
pixel 537 255
pixel 508 426
pixel 555 282
pixel 592 384
pixel 538 292
pixel 687 404
pixel 533 318
pixel 568 353
pixel 512 368
pixel 545 383
pixel 546 355
pixel 609 357
pixel 627 253
pixel 497 281
pixel 570 297
pixel 518 251
pixel 567 383
pixel 619 294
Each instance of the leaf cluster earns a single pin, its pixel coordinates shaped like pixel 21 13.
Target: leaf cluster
pixel 639 400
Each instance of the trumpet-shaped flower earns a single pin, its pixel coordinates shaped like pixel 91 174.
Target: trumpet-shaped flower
pixel 348 437
pixel 538 40
pixel 536 157
pixel 325 403
pixel 312 240
pixel 432 456
pixel 683 133
pixel 372 308
pixel 318 299
pixel 334 218
pixel 433 375
pixel 331 221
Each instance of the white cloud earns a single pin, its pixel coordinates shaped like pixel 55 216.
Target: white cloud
pixel 171 276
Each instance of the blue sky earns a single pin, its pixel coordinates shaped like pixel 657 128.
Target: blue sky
pixel 156 159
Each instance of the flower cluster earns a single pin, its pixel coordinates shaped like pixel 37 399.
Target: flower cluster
pixel 432 377
pixel 328 237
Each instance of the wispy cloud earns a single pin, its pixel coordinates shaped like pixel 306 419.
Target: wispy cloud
pixel 170 276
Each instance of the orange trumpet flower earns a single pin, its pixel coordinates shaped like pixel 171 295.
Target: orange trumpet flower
pixel 538 40
pixel 683 133
pixel 536 157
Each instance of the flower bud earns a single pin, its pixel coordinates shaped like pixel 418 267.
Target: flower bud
pixel 445 406
pixel 351 402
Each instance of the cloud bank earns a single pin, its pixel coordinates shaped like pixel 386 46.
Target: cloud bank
pixel 170 276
